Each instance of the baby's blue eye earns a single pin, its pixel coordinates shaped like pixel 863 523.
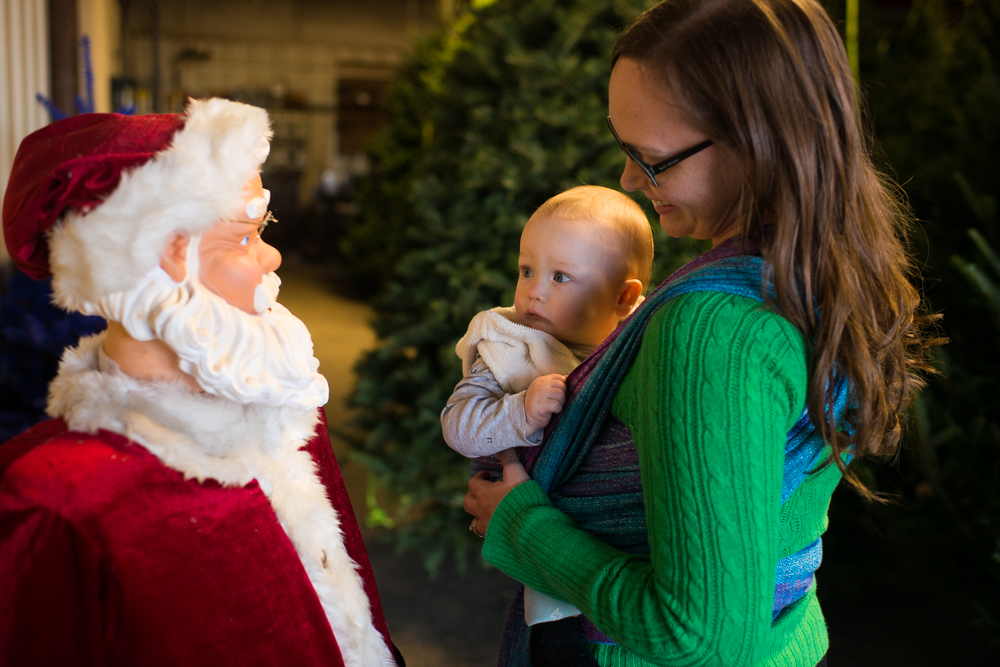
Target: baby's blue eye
pixel 526 272
pixel 245 241
pixel 561 277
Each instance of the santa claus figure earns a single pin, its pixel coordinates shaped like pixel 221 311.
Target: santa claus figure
pixel 183 505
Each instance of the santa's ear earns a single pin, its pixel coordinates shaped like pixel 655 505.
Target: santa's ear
pixel 172 259
pixel 628 295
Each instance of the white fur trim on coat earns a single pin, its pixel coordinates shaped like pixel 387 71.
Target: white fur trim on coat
pixel 514 353
pixel 204 436
pixel 184 189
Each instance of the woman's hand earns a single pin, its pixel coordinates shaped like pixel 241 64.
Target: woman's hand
pixel 484 496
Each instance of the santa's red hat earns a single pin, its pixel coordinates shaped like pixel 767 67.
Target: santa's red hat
pixel 94 199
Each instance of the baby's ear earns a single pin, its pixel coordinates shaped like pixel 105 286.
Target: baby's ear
pixel 628 295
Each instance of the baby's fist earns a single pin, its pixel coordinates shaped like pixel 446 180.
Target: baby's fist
pixel 545 397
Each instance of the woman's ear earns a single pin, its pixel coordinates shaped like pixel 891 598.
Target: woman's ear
pixel 628 296
pixel 172 259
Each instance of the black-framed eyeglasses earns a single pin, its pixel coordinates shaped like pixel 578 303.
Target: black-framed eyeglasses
pixel 651 170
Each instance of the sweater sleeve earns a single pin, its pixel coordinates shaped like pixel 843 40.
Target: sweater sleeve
pixel 480 418
pixel 717 383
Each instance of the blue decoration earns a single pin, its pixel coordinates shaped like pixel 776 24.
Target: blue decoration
pixel 54 112
pixel 33 334
pixel 86 105
pixel 83 104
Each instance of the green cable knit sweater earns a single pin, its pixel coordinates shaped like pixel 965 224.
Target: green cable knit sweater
pixel 717 383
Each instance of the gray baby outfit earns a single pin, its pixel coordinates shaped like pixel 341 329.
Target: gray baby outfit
pixel 500 357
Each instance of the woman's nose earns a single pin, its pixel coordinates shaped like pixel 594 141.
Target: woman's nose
pixel 632 178
pixel 267 256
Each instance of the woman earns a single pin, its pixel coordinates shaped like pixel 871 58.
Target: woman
pixel 744 385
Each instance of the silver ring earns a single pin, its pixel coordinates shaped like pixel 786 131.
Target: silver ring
pixel 472 527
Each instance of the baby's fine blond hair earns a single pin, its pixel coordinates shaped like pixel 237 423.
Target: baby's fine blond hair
pixel 618 213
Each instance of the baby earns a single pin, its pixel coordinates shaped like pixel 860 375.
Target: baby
pixel 586 256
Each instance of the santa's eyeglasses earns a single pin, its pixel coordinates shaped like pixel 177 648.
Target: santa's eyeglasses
pixel 261 224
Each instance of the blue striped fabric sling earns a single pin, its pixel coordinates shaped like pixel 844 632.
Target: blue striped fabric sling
pixel 588 464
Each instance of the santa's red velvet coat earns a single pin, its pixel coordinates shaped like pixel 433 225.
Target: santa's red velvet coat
pixel 110 557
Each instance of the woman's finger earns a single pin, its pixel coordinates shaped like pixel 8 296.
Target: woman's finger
pixel 468 504
pixel 478 480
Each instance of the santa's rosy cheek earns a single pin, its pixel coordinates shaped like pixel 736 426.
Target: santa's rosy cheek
pixel 232 275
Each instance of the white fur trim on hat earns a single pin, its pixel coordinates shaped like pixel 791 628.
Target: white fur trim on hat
pixel 184 189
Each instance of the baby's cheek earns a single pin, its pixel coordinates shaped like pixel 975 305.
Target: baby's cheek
pixel 519 306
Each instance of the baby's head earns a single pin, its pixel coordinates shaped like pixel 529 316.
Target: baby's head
pixel 586 256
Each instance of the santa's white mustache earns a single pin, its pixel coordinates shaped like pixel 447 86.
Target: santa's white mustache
pixel 265 295
pixel 266 358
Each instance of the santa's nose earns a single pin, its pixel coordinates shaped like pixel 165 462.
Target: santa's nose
pixel 268 256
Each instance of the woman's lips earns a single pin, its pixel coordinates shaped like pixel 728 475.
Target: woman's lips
pixel 662 207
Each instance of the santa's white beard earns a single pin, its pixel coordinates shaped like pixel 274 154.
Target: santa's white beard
pixel 265 358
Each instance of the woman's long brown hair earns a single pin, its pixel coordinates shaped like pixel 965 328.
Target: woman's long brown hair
pixel 769 81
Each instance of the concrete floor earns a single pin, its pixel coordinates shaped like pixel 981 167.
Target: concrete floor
pixel 453 620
